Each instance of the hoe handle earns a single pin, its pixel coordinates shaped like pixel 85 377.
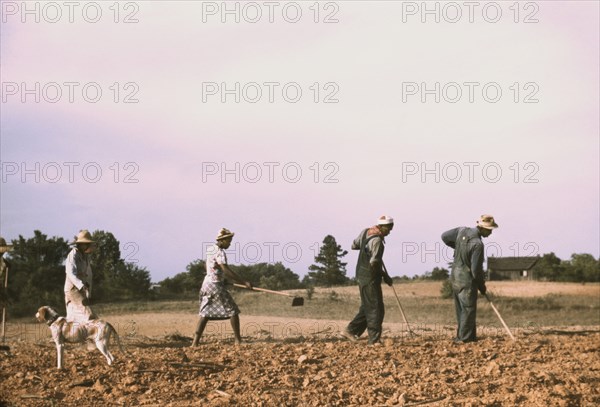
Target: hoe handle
pixel 500 318
pixel 264 290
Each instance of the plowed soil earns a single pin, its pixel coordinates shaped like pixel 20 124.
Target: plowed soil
pixel 543 367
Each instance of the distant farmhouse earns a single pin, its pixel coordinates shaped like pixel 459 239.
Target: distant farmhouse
pixel 511 268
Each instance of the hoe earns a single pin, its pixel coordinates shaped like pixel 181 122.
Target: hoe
pixel 296 302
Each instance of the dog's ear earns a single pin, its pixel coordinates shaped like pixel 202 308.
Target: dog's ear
pixel 41 314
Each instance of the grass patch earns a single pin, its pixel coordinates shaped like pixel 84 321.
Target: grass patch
pixel 550 302
pixel 421 303
pixel 146 306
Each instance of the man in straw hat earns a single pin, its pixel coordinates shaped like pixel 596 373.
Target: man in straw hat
pixel 369 273
pixel 467 274
pixel 78 281
pixel 215 301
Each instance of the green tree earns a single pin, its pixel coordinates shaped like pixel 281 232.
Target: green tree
pixel 582 267
pixel 114 278
pixel 329 269
pixel 277 277
pixel 106 263
pixel 187 283
pixel 196 271
pixel 446 289
pixel 272 276
pixel 439 274
pixel 549 268
pixel 37 274
pixel 131 282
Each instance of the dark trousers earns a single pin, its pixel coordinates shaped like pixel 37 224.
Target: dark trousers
pixel 465 303
pixel 370 314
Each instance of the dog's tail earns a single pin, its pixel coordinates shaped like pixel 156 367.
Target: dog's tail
pixel 113 332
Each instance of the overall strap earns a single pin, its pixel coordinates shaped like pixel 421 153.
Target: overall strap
pixel 367 240
pixel 461 238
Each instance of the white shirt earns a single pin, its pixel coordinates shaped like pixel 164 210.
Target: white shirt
pixel 215 257
pixel 78 271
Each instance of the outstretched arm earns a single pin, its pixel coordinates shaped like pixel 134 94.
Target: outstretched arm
pixel 232 275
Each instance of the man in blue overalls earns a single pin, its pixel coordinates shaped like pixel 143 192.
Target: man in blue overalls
pixel 467 273
pixel 369 273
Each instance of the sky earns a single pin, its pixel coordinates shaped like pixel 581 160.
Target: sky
pixel 164 121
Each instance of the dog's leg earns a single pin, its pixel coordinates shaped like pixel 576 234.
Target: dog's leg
pixel 116 336
pixel 103 348
pixel 59 354
pixel 102 343
pixel 112 358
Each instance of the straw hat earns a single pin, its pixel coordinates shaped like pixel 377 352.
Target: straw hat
pixel 487 222
pixel 5 247
pixel 385 220
pixel 84 236
pixel 224 234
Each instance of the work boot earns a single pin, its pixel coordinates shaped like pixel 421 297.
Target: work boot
pixel 348 335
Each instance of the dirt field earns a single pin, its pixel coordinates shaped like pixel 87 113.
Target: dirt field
pixel 541 368
pixel 303 362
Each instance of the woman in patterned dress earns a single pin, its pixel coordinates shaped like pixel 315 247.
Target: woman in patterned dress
pixel 215 301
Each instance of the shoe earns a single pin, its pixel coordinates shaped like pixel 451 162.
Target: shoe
pixel 458 342
pixel 348 335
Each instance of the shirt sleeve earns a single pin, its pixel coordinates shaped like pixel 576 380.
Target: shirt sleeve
pixel 477 261
pixel 72 270
pixel 376 248
pixel 449 237
pixel 356 243
pixel 221 257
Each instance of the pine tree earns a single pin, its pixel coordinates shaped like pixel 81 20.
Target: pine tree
pixel 329 269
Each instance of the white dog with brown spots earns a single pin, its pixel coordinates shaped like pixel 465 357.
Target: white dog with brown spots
pixel 94 330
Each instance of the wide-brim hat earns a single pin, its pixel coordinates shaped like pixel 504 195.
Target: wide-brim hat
pixel 225 234
pixel 385 220
pixel 84 236
pixel 5 247
pixel 487 222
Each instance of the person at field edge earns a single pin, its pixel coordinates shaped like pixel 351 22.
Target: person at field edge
pixel 4 268
pixel 467 274
pixel 369 274
pixel 78 281
pixel 215 301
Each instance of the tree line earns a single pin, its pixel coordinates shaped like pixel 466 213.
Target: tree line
pixel 580 268
pixel 37 274
pixel 328 270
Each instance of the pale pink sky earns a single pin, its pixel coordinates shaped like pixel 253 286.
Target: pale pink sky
pixel 371 136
